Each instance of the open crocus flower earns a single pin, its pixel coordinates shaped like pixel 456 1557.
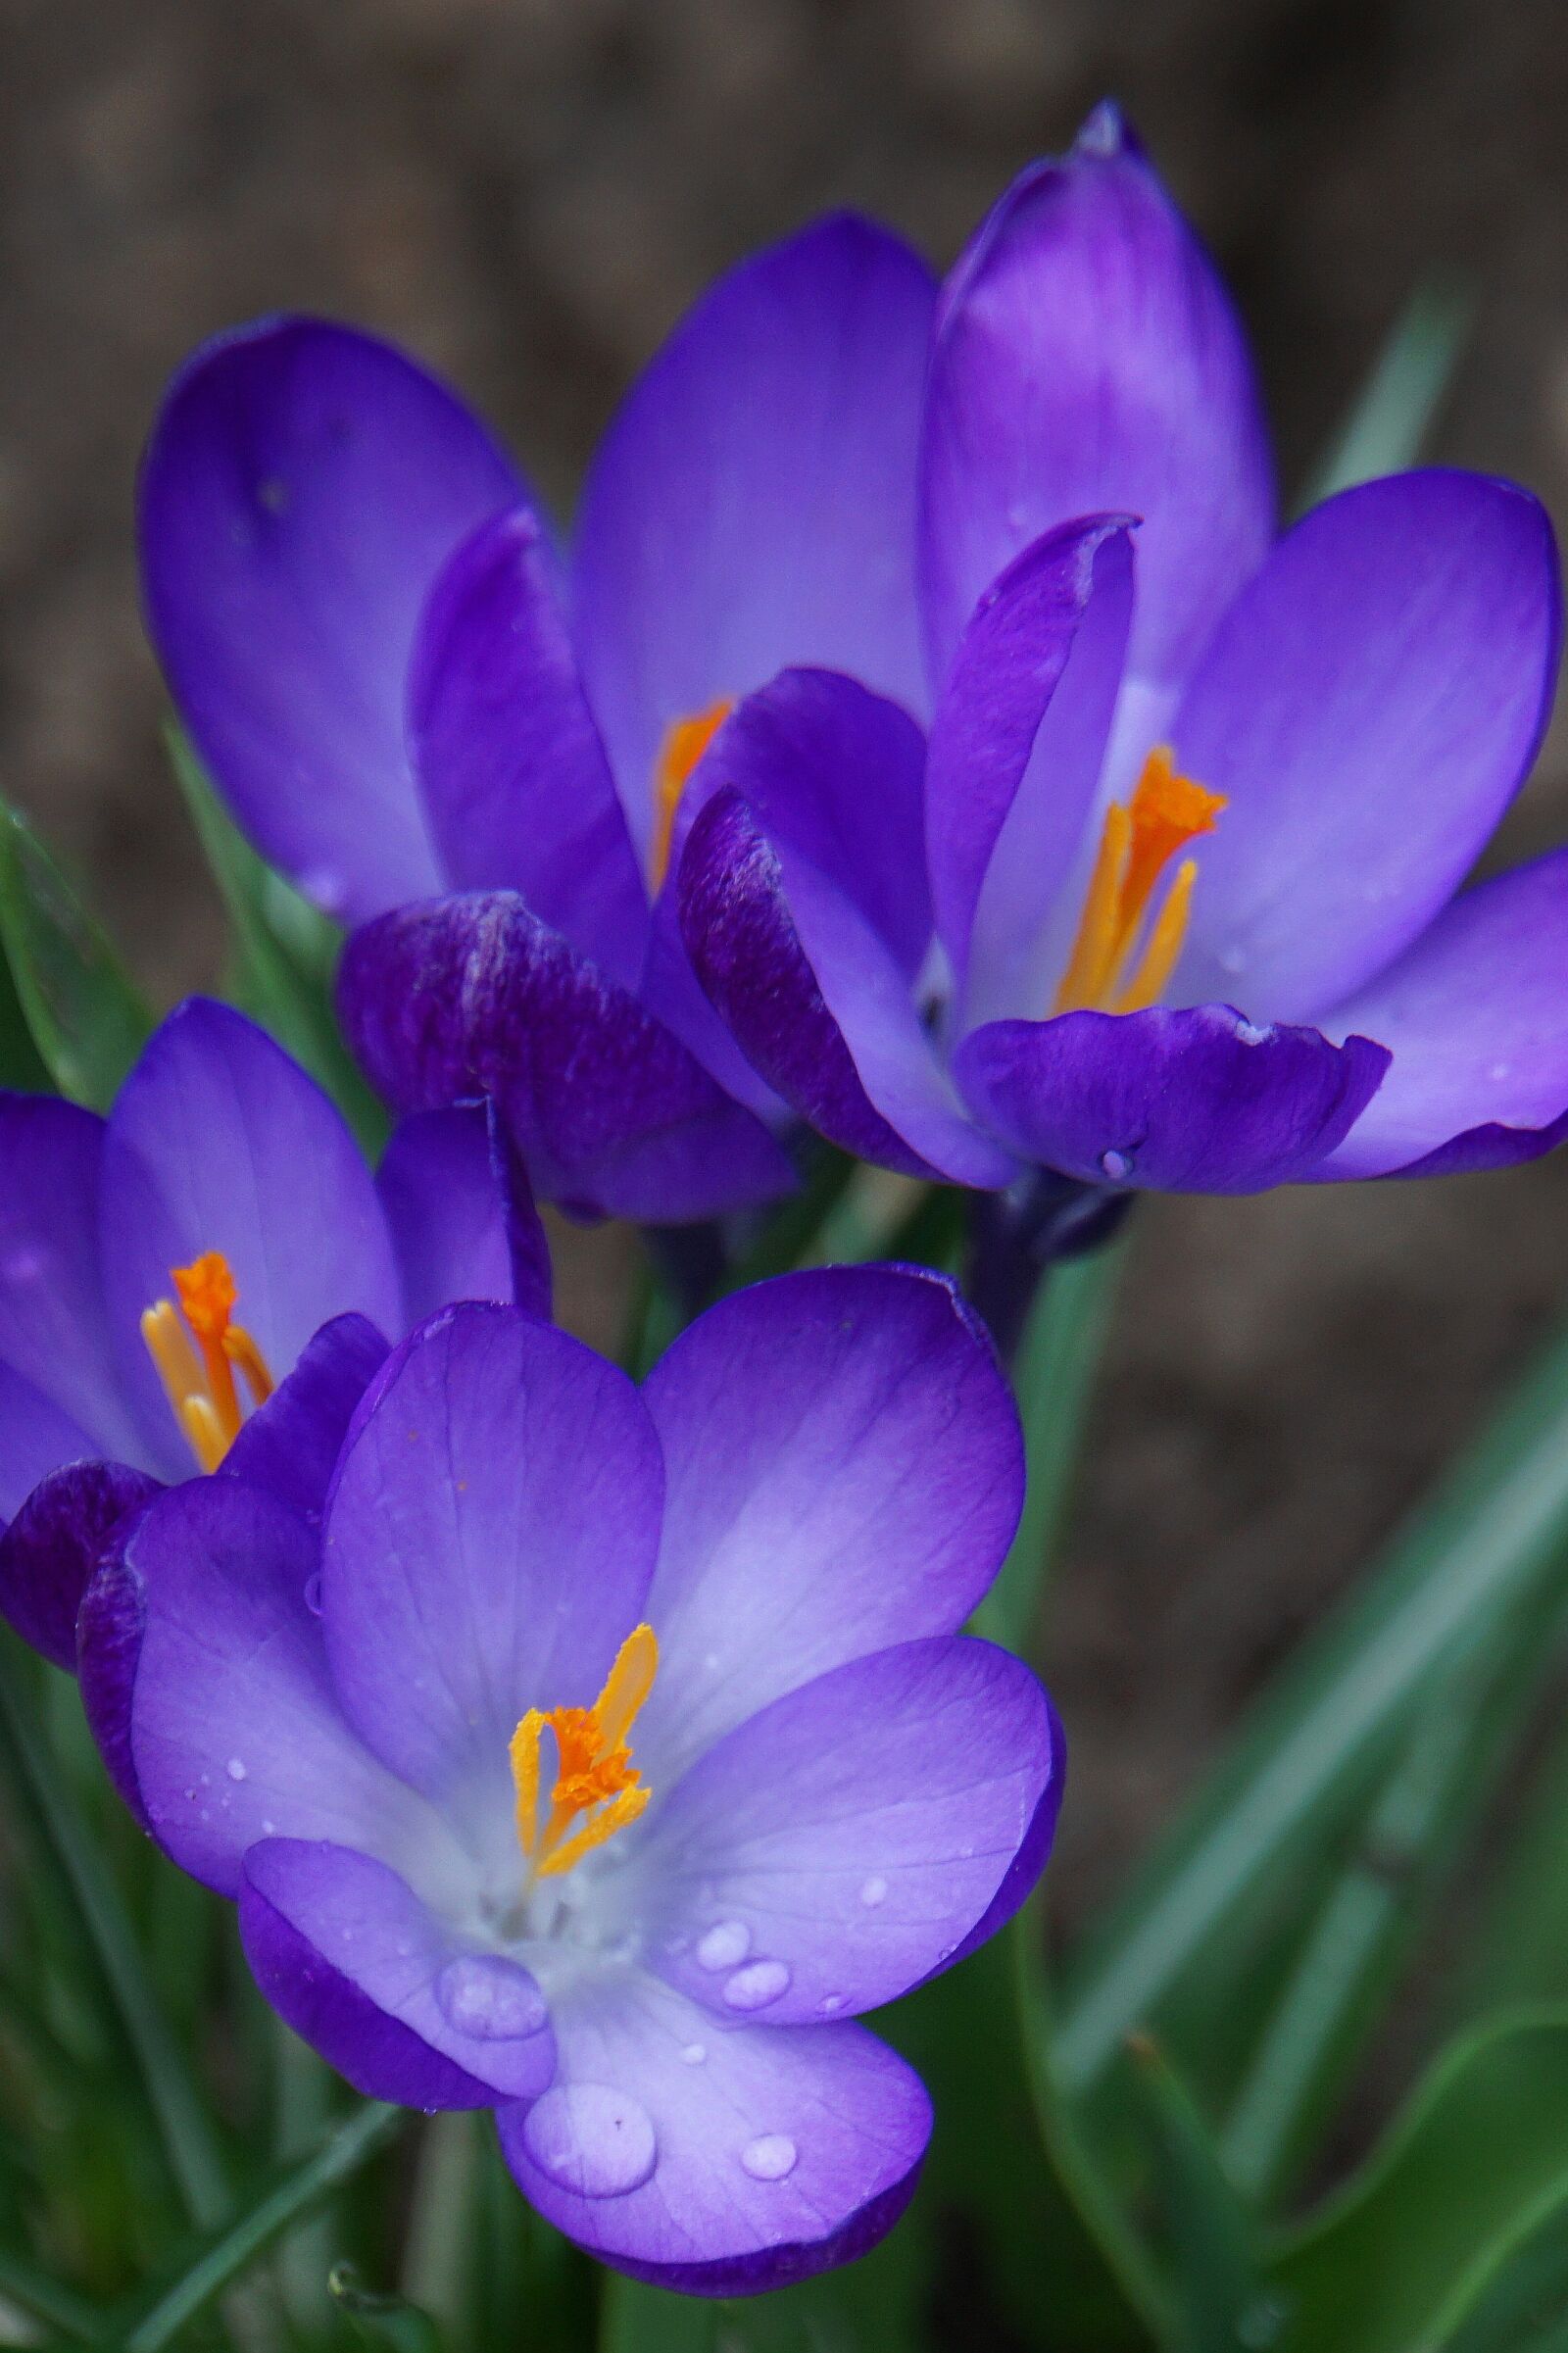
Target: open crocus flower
pixel 209 1278
pixel 1166 896
pixel 606 1753
pixel 474 753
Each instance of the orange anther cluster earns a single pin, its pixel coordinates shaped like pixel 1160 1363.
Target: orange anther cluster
pixel 199 1381
pixel 596 1790
pixel 685 742
pixel 1137 843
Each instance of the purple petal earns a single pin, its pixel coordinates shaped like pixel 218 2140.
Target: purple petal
pixel 356 1964
pixel 752 504
pixel 1199 1101
pixel 850 1431
pixel 37 1437
pixel 819 1003
pixel 219 1142
pixel 1476 1017
pixel 1087 359
pixel 233 1728
pixel 515 783
pixel 1017 746
pixel 842 1845
pixel 461 1215
pixel 716 2160
pixel 110 1623
pixel 52 1548
pixel 1370 705
pixel 473 996
pixel 290 1445
pixel 54 1324
pixel 303 486
pixel 489 1543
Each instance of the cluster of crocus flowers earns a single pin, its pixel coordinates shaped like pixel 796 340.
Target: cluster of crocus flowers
pixel 601 1755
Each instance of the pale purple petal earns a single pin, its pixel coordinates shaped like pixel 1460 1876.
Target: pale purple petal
pixel 841 1846
pixel 489 1543
pixel 290 1445
pixel 352 1960
pixel 53 1546
pixel 753 505
pixel 1198 1100
pixel 515 780
pixel 1371 705
pixel 1087 359
pixel 1017 746
pixel 843 1472
pixel 37 1437
pixel 460 1214
pixel 234 1730
pixel 219 1142
pixel 1476 1017
pixel 716 2160
pixel 472 996
pixel 303 486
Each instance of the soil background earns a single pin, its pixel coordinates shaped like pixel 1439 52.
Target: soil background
pixel 528 192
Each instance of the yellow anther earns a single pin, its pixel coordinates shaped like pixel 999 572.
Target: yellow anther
pixel 685 742
pixel 1136 844
pixel 199 1379
pixel 597 1788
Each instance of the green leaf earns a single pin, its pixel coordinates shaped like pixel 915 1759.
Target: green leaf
pixel 86 1021
pixel 1214 2252
pixel 1494 1533
pixel 637 2318
pixel 284 952
pixel 29 2289
pixel 1392 413
pixel 1466 2177
pixel 229 2252
pixel 379 2319
pixel 22 1066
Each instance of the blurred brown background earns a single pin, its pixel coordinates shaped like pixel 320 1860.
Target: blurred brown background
pixel 529 191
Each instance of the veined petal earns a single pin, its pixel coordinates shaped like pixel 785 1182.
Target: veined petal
pixel 1086 361
pixel 848 1428
pixel 291 1444
pixel 1476 1017
pixel 303 486
pixel 711 2160
pixel 513 777
pixel 752 504
pixel 1370 707
pixel 460 1214
pixel 1200 1101
pixel 53 1546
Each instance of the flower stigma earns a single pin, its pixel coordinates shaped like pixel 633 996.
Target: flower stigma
pixel 597 1788
pixel 1137 843
pixel 197 1348
pixel 684 743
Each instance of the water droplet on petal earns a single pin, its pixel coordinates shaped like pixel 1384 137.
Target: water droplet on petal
pixel 756 1985
pixel 1232 960
pixel 770 2157
pixel 492 1998
pixel 235 1768
pixel 268 1829
pixel 1253 1033
pixel 313 1595
pixel 594 2141
pixel 873 1892
pixel 725 1943
pixel 830 2003
pixel 694 2053
pixel 1116 1165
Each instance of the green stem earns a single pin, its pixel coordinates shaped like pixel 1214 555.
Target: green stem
pixel 188 2140
pixel 352 2145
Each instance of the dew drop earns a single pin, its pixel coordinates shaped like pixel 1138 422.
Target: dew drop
pixel 268 1829
pixel 1232 960
pixel 491 1998
pixel 593 2142
pixel 830 2004
pixel 725 1943
pixel 1116 1165
pixel 694 2053
pixel 313 1595
pixel 235 1768
pixel 874 1892
pixel 1252 1033
pixel 756 1985
pixel 770 2157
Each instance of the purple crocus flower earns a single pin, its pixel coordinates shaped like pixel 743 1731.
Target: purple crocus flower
pixel 1166 894
pixel 210 1276
pixel 448 737
pixel 607 1752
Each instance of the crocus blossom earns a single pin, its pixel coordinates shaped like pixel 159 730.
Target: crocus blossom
pixel 605 1754
pixel 208 1277
pixel 1165 894
pixel 473 751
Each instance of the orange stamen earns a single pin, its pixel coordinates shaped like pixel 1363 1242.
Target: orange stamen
pixel 1136 844
pixel 199 1381
pixel 685 742
pixel 595 1776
